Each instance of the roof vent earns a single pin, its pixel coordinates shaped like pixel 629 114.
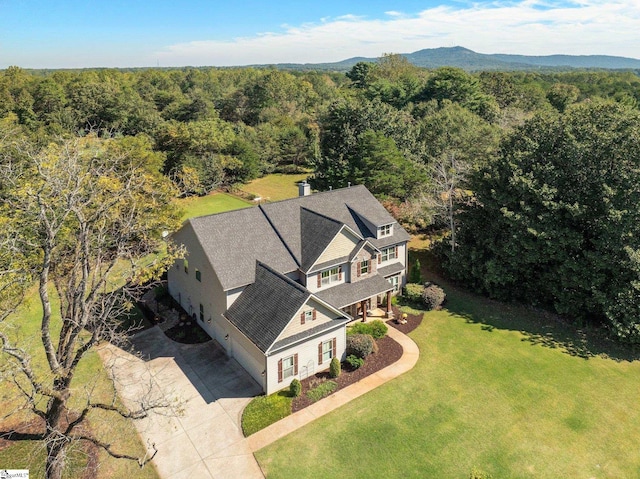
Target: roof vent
pixel 304 189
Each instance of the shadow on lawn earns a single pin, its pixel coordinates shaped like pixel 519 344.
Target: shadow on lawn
pixel 539 327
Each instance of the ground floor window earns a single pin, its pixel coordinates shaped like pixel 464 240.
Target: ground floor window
pixel 287 367
pixel 326 351
pixel 395 281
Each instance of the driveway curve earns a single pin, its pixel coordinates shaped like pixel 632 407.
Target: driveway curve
pixel 200 435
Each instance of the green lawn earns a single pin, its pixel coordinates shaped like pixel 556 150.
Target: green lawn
pixel 275 187
pixel 499 388
pixel 210 204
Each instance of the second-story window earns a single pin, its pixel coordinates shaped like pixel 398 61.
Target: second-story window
pixel 385 230
pixel 389 253
pixel 330 276
pixel 364 266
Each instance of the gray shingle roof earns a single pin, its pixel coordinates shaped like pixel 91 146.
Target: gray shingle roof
pixel 390 269
pixel 339 205
pixel 272 233
pixel 233 241
pixel 309 333
pixel 267 306
pixel 317 231
pixel 349 293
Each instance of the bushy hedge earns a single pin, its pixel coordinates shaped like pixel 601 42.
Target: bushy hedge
pixel 413 292
pixel 433 296
pixel 334 368
pixel 354 361
pixel 360 345
pixel 295 388
pixel 376 328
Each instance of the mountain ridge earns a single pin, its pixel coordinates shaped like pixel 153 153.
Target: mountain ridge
pixel 467 59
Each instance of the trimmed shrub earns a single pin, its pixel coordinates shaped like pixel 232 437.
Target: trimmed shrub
pixel 295 388
pixel 360 345
pixel 376 328
pixel 433 296
pixel 334 368
pixel 415 275
pixel 413 292
pixel 354 361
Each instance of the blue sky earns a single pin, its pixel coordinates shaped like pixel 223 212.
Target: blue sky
pixel 73 33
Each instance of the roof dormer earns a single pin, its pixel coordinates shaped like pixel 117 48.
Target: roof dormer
pixel 384 231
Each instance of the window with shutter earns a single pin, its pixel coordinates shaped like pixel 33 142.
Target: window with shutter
pixel 327 349
pixel 287 367
pixel 364 267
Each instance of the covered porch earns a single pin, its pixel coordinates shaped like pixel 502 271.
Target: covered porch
pixel 360 299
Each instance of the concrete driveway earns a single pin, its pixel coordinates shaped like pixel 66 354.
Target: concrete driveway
pixel 200 434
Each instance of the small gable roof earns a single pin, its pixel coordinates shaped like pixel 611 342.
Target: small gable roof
pixel 316 232
pixel 265 308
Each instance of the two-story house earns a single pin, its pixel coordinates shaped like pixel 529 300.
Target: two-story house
pixel 276 284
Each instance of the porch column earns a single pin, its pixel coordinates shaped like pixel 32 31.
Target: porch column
pixel 388 303
pixel 363 304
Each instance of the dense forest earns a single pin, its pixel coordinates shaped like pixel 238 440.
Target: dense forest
pixel 534 178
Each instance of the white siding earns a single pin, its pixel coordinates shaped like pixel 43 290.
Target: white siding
pixel 247 354
pixel 191 292
pixel 323 315
pixel 307 359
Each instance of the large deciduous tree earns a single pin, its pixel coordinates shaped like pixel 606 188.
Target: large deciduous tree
pixel 72 215
pixel 556 219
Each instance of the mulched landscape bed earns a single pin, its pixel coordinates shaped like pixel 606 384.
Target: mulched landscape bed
pixel 188 332
pixel 388 353
pixel 413 321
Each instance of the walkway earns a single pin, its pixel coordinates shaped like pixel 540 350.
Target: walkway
pixel 290 423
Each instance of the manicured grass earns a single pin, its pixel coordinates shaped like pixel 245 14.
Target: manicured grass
pixel 263 411
pixel 501 388
pixel 275 187
pixel 90 375
pixel 210 204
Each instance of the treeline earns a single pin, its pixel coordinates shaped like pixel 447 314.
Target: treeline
pixel 533 177
pixel 387 125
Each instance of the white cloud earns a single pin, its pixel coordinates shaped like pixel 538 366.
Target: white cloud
pixel 532 27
